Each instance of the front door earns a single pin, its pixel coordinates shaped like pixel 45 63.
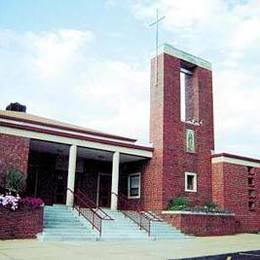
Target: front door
pixel 104 192
pixel 60 187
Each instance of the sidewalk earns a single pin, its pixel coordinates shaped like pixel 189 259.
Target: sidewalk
pixel 164 249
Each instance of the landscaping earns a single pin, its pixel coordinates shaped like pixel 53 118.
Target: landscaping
pixel 20 216
pixel 183 204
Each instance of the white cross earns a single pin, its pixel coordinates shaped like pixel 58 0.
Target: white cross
pixel 156 22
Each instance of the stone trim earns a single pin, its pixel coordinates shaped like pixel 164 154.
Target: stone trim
pixel 225 158
pixel 179 212
pixel 169 49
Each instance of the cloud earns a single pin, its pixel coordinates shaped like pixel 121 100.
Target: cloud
pixel 57 74
pixel 227 33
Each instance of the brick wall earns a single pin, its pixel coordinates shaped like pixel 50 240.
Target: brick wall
pixel 203 225
pixel 20 224
pixel 164 175
pixel 14 153
pixel 231 191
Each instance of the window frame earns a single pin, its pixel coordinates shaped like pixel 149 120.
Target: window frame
pixel 195 188
pixel 129 185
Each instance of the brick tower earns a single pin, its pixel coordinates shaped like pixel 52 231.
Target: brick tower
pixel 181 129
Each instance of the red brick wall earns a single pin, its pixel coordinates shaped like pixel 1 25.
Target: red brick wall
pixel 203 225
pixel 20 224
pixel 14 153
pixel 231 191
pixel 164 175
pixel 153 174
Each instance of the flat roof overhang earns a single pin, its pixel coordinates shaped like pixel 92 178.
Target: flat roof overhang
pixel 38 133
pixel 235 159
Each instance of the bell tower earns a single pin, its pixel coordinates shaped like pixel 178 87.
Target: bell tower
pixel 181 129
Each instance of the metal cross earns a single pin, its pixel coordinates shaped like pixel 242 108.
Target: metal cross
pixel 156 22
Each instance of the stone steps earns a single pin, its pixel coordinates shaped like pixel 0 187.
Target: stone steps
pixel 61 224
pixel 64 224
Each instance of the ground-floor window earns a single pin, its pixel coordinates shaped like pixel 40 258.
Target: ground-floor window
pixel 190 182
pixel 134 184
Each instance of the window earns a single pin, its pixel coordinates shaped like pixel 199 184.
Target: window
pixel 190 182
pixel 251 181
pixel 251 205
pixel 134 185
pixel 189 95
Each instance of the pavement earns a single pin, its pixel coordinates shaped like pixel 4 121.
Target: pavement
pixel 123 250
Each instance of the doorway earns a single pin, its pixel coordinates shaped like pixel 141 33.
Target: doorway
pixel 104 183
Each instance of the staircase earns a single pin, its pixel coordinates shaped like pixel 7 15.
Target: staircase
pixel 163 230
pixel 122 228
pixel 61 224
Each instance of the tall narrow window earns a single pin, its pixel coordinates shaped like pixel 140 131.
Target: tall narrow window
pixel 134 183
pixel 183 96
pixel 188 97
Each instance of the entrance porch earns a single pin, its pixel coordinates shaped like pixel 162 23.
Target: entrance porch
pixel 54 168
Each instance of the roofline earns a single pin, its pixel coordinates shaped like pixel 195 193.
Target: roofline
pixel 68 128
pixel 79 137
pixel 234 156
pixel 170 50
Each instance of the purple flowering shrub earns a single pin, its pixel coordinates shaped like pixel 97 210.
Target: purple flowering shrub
pixel 31 202
pixel 15 202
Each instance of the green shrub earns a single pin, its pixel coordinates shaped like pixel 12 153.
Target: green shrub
pixel 15 181
pixel 210 205
pixel 178 203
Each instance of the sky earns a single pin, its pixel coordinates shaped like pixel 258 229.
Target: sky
pixel 88 62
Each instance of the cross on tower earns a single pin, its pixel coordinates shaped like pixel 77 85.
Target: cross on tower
pixel 156 22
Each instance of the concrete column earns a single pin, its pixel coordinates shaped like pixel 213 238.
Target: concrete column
pixel 115 180
pixel 71 174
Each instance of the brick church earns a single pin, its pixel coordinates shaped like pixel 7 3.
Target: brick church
pixel 59 158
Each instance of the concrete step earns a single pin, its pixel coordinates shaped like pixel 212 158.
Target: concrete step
pixel 61 224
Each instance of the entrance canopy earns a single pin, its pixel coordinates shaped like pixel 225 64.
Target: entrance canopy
pixel 76 144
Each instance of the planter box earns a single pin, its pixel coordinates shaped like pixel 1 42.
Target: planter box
pixel 201 223
pixel 20 224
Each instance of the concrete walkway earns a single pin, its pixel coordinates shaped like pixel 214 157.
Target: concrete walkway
pixel 170 249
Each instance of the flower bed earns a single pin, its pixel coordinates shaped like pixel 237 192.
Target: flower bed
pixel 20 218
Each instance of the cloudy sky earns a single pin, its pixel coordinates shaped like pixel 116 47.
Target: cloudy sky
pixel 87 62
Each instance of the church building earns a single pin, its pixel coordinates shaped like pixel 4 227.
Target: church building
pixel 59 159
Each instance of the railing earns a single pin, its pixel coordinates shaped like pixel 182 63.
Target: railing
pixel 94 215
pixel 142 218
pixel 93 205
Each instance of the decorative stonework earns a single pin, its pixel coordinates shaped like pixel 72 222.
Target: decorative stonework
pixel 190 141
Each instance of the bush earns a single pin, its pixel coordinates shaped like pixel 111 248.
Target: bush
pixel 211 206
pixel 15 181
pixel 178 203
pixel 30 202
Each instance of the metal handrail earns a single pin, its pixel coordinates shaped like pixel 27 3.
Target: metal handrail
pixel 143 221
pixel 152 216
pixel 93 205
pixel 91 215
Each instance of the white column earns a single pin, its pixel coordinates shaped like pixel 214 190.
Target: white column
pixel 115 180
pixel 71 174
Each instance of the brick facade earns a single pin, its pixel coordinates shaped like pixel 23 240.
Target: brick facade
pixel 203 225
pixel 164 176
pixel 231 190
pixel 14 153
pixel 20 224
